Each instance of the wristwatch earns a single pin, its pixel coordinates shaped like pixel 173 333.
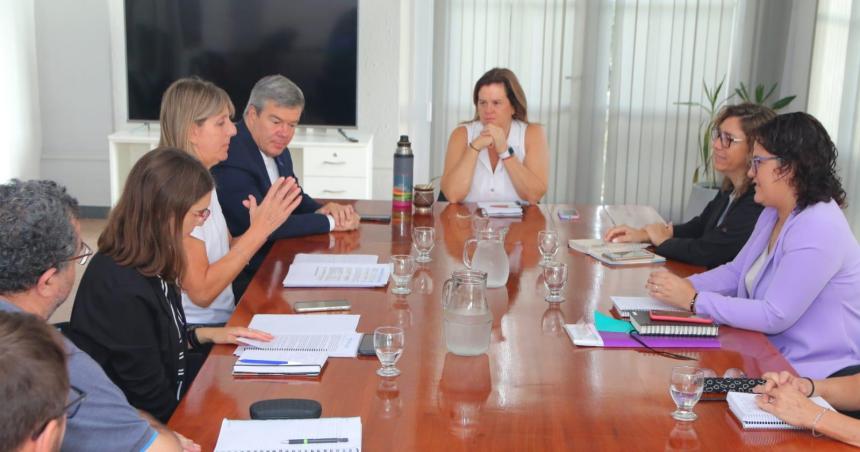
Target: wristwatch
pixel 507 154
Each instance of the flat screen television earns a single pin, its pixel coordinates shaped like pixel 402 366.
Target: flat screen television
pixel 234 43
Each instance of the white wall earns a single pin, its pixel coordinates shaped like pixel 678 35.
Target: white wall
pixel 81 75
pixel 19 117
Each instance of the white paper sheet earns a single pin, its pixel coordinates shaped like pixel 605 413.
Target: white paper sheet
pixel 337 275
pixel 303 258
pixel 239 436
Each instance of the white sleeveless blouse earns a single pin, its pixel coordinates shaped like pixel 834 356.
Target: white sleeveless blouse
pixel 488 185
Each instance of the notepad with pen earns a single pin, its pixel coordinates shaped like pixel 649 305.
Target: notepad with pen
pixel 292 435
pixel 743 406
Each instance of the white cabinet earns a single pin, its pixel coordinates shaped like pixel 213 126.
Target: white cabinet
pixel 326 164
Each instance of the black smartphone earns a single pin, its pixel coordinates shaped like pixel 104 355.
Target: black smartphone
pixel 321 305
pixel 375 218
pixel 365 347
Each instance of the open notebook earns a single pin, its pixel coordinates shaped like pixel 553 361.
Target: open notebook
pixel 743 406
pixel 335 434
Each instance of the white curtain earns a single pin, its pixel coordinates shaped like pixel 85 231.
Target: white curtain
pixel 604 78
pixel 19 117
pixel 834 93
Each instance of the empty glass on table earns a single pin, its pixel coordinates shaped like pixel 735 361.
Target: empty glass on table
pixel 423 239
pixel 388 342
pixel 554 278
pixel 548 245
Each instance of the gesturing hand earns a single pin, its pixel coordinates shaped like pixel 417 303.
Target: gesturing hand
pixel 281 200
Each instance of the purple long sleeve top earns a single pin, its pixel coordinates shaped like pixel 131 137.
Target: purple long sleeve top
pixel 806 297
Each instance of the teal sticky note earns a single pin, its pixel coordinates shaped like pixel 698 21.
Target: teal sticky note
pixel 609 324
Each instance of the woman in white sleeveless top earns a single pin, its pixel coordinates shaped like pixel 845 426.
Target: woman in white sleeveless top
pixel 195 117
pixel 498 156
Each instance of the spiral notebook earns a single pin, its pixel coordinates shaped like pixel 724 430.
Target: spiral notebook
pixel 743 406
pixel 641 320
pixel 331 434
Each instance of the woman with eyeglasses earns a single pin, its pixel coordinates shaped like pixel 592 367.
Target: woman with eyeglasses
pixel 195 117
pixel 128 312
pixel 716 235
pixel 797 279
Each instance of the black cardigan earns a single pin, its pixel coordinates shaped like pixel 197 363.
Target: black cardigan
pixel 701 242
pixel 122 319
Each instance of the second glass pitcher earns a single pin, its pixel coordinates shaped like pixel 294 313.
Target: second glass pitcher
pixel 489 257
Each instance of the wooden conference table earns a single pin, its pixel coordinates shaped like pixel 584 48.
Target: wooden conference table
pixel 533 390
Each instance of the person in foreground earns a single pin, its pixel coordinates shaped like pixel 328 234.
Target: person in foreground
pixel 128 314
pixel 716 235
pixel 797 279
pixel 787 397
pixel 499 155
pixel 195 117
pixel 34 385
pixel 259 155
pixel 39 252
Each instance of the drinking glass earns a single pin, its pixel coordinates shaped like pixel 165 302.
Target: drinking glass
pixel 423 237
pixel 686 387
pixel 548 245
pixel 554 278
pixel 402 269
pixel 389 342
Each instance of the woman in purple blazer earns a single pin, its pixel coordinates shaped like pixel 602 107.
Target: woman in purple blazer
pixel 797 279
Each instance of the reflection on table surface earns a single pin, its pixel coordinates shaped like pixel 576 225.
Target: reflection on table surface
pixel 532 390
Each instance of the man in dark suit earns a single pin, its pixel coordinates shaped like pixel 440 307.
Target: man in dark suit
pixel 257 156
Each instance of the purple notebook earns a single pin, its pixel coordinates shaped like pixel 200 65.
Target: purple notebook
pixel 624 340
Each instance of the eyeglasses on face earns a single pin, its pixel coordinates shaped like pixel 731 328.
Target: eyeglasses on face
pixel 756 161
pixel 726 139
pixel 76 398
pixel 83 256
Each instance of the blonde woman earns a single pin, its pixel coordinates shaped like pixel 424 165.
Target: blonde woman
pixel 195 117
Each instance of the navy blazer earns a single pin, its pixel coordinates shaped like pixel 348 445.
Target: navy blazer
pixel 244 173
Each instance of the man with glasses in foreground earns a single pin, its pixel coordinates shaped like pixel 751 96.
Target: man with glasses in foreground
pixel 34 385
pixel 39 251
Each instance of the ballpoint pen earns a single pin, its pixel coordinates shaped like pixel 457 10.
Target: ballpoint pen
pixel 264 362
pixel 318 440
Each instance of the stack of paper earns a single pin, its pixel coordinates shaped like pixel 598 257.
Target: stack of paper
pixel 253 361
pixel 337 270
pixel 624 305
pixel 301 343
pixel 599 250
pixel 501 209
pixel 336 434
